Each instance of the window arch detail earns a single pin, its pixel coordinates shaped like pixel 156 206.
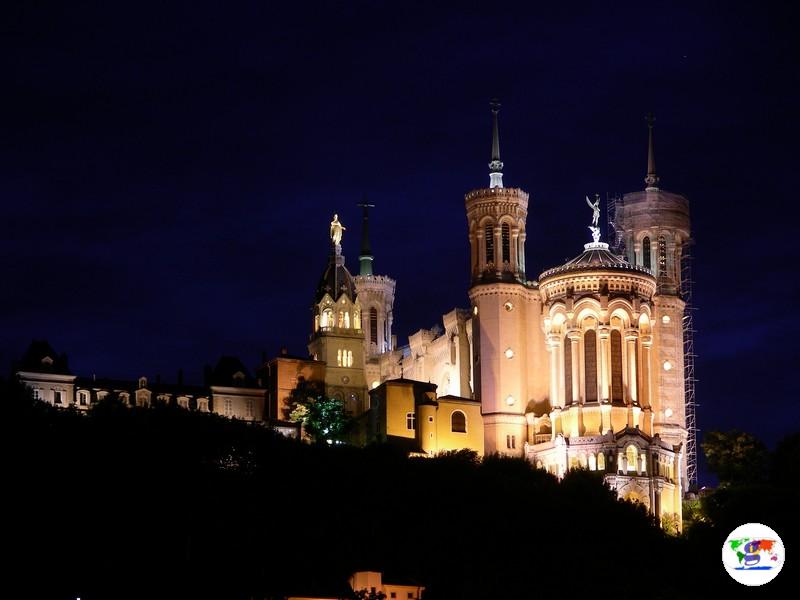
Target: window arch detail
pixel 458 422
pixel 646 253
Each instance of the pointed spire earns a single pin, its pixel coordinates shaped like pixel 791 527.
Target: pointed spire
pixel 496 166
pixel 652 179
pixel 365 258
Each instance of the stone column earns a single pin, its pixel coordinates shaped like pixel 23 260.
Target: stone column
pixel 631 335
pixel 646 345
pixel 604 334
pixel 554 345
pixel 574 338
pixel 481 264
pixel 513 250
pixel 498 249
pixel 521 252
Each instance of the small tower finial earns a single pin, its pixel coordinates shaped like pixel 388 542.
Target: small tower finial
pixel 365 257
pixel 652 179
pixel 496 165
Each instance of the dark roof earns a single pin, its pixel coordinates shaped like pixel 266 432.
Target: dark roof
pixel 594 257
pixel 227 367
pixel 335 280
pixel 36 359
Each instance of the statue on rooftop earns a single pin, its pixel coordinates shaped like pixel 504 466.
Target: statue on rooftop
pixel 595 206
pixel 336 230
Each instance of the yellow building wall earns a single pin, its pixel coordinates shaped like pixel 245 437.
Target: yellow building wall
pixel 447 439
pixel 399 402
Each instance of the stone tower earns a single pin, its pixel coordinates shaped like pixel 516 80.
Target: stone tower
pixel 506 309
pixel 337 337
pixel 655 229
pixel 376 296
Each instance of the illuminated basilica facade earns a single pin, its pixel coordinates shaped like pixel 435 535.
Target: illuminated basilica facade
pixel 581 367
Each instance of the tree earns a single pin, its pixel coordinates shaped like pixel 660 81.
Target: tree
pixel 736 457
pixel 324 419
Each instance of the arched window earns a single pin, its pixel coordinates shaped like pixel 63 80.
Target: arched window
pixel 662 255
pixel 347 319
pixel 411 421
pixel 339 357
pixel 601 462
pixel 632 455
pixel 616 366
pixel 373 325
pixel 341 319
pixel 592 462
pixel 489 243
pixel 349 358
pixel 646 253
pixel 458 422
pixel 83 398
pixel 567 370
pixel 327 318
pixel 316 322
pixel 506 239
pixel 590 364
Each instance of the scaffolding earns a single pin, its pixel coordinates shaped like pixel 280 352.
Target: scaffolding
pixel 614 235
pixel 689 356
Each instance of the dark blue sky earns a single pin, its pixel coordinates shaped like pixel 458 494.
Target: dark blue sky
pixel 168 172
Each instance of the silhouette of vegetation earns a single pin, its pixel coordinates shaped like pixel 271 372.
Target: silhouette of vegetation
pixel 127 502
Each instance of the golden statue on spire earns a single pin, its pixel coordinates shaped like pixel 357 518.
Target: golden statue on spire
pixel 336 230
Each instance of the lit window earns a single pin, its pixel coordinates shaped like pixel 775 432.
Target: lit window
pixel 339 357
pixel 665 319
pixel 37 394
pixel 347 320
pixel 601 462
pixel 509 353
pixel 228 407
pixel 250 409
pixel 458 422
pixel 411 421
pixel 475 310
pixel 632 455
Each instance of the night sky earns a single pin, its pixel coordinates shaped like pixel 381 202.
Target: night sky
pixel 169 172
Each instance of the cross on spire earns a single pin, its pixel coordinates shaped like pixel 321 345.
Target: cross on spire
pixel 651 179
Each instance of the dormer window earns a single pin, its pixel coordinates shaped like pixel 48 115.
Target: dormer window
pixel 142 382
pixel 47 361
pixel 238 378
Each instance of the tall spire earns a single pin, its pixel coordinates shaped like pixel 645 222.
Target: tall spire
pixel 652 179
pixel 365 258
pixel 496 166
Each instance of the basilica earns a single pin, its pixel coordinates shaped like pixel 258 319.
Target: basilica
pixel 580 366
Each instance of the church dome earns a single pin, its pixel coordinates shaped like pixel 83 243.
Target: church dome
pixel 336 280
pixel 597 270
pixel 595 256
